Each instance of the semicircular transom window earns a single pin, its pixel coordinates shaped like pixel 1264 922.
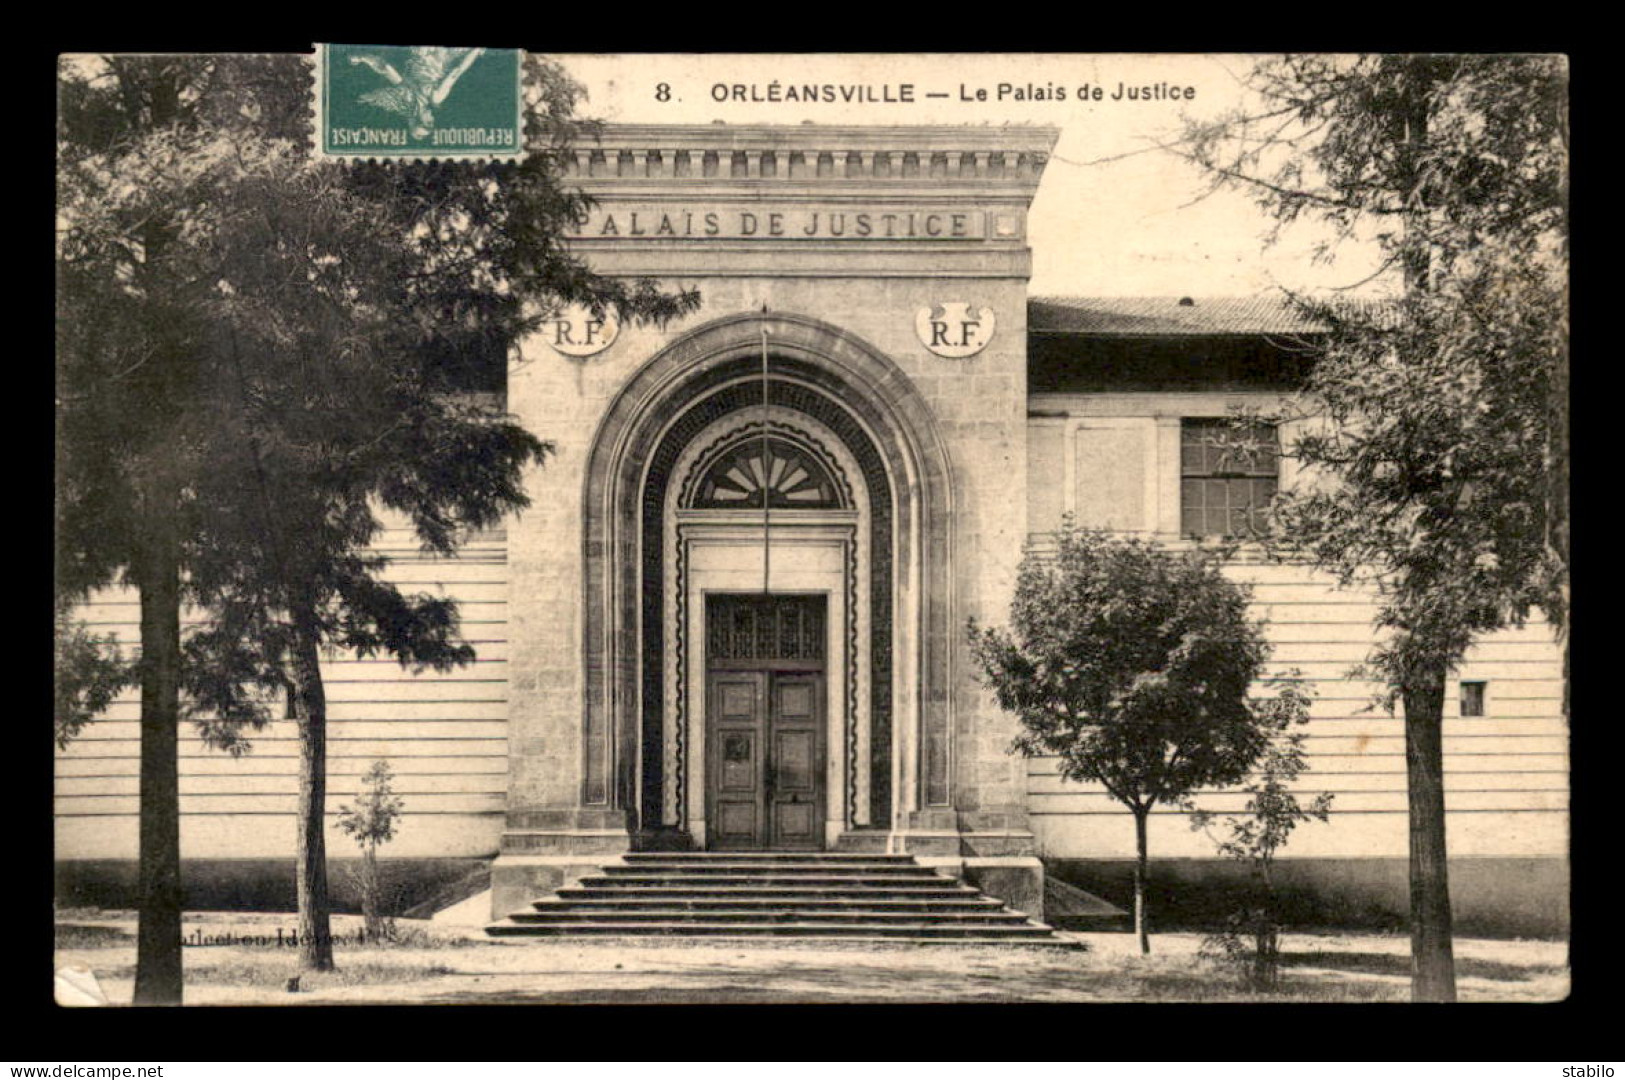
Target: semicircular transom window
pixel 791 477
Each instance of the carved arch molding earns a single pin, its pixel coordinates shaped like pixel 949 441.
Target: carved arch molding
pixel 849 389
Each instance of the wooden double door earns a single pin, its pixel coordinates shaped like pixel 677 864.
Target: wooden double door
pixel 765 723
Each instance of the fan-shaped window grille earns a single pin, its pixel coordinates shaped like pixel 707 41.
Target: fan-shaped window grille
pixel 792 478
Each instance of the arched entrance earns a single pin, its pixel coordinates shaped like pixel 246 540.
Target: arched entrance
pixel 857 530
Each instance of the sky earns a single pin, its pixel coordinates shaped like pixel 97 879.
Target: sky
pixel 1115 215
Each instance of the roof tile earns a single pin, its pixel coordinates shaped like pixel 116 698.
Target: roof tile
pixel 1164 316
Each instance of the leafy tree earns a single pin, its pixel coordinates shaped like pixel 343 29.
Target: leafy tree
pixel 1437 425
pixel 371 821
pixel 90 672
pixel 255 354
pixel 1133 665
pixel 1256 835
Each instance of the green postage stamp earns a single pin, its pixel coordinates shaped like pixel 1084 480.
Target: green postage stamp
pixel 412 103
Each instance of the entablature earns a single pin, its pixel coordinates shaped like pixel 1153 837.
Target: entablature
pixel 889 159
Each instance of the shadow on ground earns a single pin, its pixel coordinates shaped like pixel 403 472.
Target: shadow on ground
pixel 727 994
pixel 1399 964
pixel 91 936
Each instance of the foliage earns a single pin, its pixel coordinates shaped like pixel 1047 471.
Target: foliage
pixel 90 672
pixel 1256 835
pixel 372 817
pixel 1133 665
pixel 1438 421
pixel 1130 663
pixel 286 343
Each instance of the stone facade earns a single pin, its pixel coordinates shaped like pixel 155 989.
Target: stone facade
pixel 822 247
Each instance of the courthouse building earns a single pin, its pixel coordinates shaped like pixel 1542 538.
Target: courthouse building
pixel 734 617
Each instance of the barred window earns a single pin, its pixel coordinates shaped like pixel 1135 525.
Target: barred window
pixel 1227 476
pixel 757 627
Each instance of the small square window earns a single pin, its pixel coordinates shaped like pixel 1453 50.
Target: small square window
pixel 1472 698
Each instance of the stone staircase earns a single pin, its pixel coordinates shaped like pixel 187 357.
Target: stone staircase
pixel 779 894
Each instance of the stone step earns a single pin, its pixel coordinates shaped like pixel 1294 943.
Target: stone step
pixel 773 916
pixel 776 894
pixel 604 901
pixel 773 892
pixel 930 881
pixel 1021 931
pixel 709 868
pixel 766 857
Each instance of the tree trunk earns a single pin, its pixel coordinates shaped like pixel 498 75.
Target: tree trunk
pixel 158 934
pixel 1266 949
pixel 1140 875
pixel 1433 968
pixel 158 968
pixel 1433 976
pixel 310 872
pixel 1266 932
pixel 371 920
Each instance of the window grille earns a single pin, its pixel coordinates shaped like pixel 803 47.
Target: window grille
pixel 1228 475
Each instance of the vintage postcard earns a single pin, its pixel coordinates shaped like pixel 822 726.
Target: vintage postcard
pixel 807 528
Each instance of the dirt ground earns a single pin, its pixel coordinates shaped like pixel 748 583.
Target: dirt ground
pixel 435 965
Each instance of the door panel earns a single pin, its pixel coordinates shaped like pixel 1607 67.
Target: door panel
pixel 764 724
pixel 737 701
pixel 795 805
pixel 792 762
